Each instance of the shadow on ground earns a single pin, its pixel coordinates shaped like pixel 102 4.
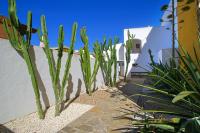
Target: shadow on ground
pixel 3 129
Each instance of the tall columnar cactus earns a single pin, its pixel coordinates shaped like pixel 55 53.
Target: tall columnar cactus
pixel 128 46
pixel 55 70
pixel 49 55
pixel 102 61
pixel 68 62
pixel 88 75
pixel 108 51
pixel 20 40
pixel 115 61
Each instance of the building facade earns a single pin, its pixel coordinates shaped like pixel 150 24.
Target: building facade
pixel 153 38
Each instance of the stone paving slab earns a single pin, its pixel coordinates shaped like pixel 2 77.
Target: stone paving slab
pixel 102 118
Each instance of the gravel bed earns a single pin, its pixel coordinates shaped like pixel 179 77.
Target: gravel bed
pixel 30 123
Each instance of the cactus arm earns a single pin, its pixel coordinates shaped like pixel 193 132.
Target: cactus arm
pixel 93 77
pixel 85 61
pixel 128 46
pixel 13 13
pixel 60 53
pixel 54 72
pixel 115 65
pixel 11 35
pixel 29 29
pixel 115 61
pixel 82 62
pixel 82 65
pixel 57 73
pixel 102 63
pixel 68 62
pixel 86 54
pixel 34 81
pixel 97 52
pixel 46 48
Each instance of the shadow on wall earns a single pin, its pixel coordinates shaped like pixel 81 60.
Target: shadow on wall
pixel 39 79
pixel 158 38
pixel 70 90
pixel 69 87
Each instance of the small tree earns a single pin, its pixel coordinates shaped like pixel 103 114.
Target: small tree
pixel 128 47
pixel 172 15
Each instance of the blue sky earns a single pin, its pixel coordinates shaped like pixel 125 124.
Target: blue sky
pixel 101 17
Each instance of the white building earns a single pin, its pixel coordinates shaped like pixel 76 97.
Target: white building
pixel 154 38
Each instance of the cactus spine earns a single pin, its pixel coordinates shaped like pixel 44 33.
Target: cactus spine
pixel 55 70
pixel 128 46
pixel 21 43
pixel 88 76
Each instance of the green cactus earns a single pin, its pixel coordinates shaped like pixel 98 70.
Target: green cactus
pixel 68 62
pixel 21 43
pixel 102 61
pixel 88 75
pixel 115 61
pixel 55 70
pixel 128 46
pixel 54 73
pixel 107 60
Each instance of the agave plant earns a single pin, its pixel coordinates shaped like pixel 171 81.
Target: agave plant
pixel 170 70
pixel 89 76
pixel 55 70
pixel 20 40
pixel 183 102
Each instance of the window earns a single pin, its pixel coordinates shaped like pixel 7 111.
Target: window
pixel 134 65
pixel 136 46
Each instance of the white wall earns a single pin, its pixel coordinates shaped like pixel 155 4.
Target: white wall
pixel 120 51
pixel 16 92
pixel 154 38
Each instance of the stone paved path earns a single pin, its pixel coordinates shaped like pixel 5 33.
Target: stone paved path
pixel 102 118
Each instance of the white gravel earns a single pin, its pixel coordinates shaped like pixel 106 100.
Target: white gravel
pixel 51 124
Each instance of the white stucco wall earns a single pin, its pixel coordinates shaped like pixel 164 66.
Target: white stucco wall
pixel 154 38
pixel 16 92
pixel 120 51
